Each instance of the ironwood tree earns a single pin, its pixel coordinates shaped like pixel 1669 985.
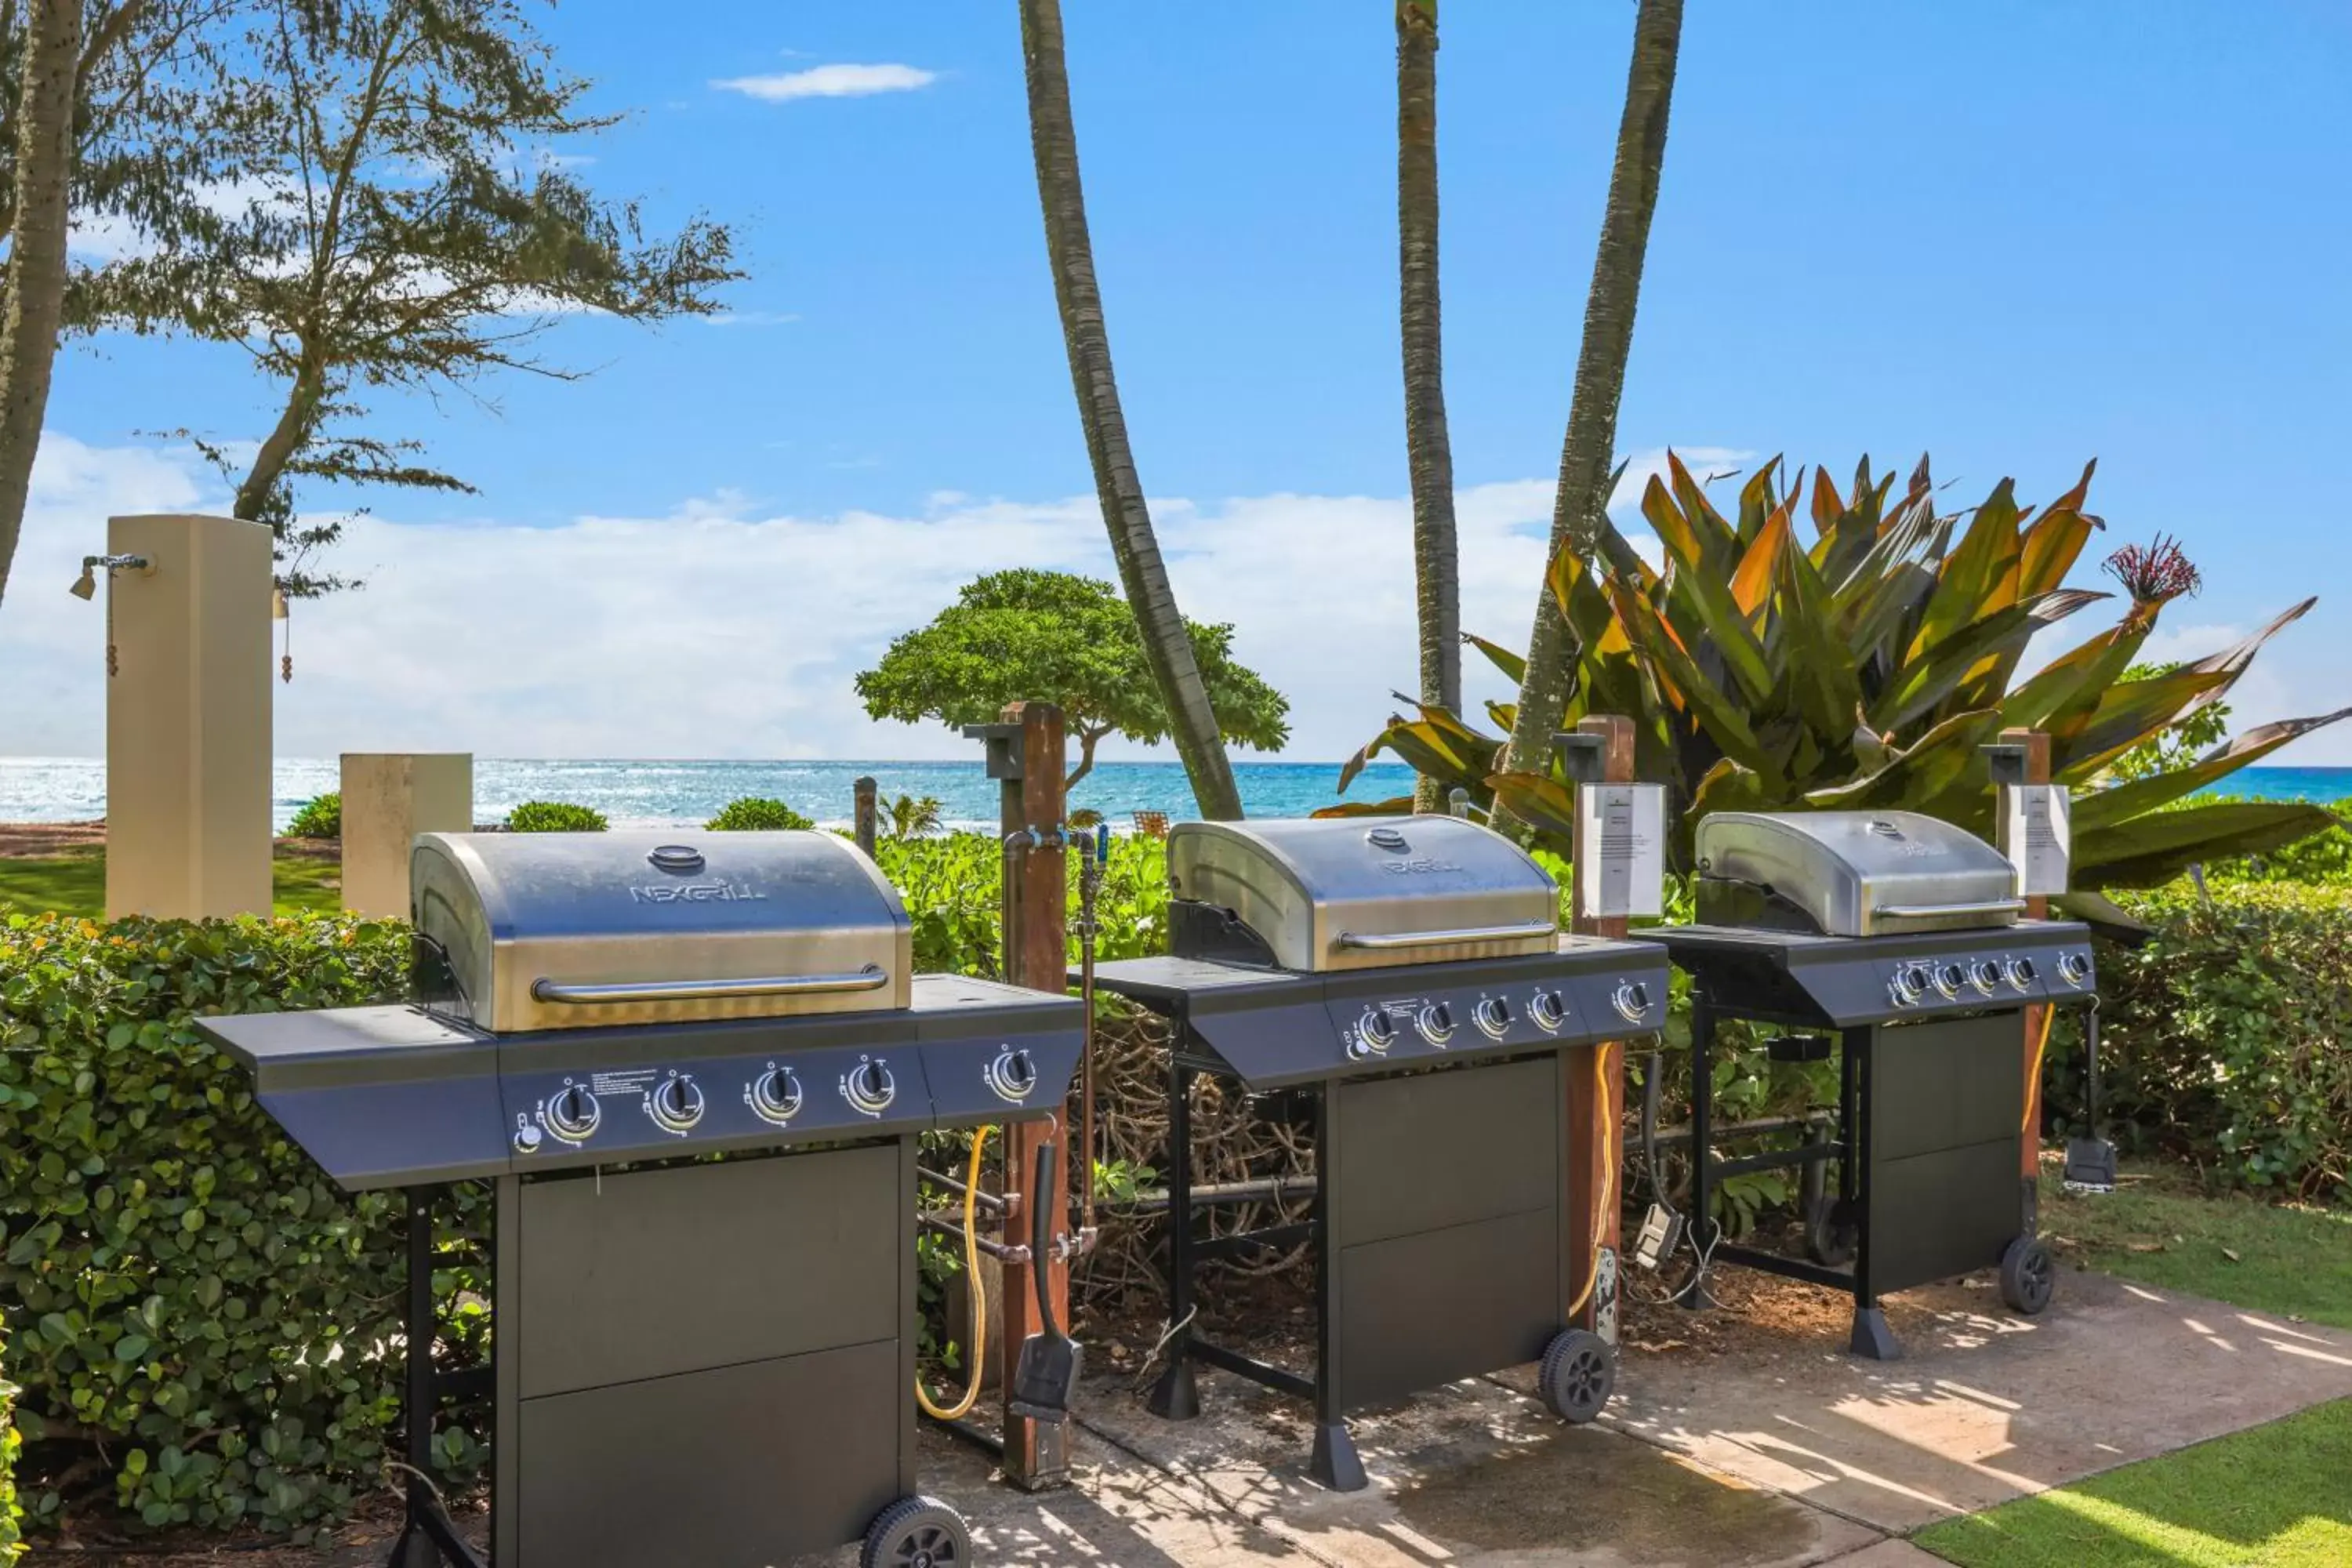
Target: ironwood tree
pixel 1051 637
pixel 118 115
pixel 1168 654
pixel 410 224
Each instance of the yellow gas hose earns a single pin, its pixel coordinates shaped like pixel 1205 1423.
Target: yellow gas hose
pixel 2033 1078
pixel 978 1345
pixel 1608 1174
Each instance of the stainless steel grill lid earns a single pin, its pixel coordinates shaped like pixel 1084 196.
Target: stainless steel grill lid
pixel 1348 893
pixel 556 930
pixel 1854 873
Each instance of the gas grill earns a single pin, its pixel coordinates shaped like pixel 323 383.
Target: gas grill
pixel 695 1361
pixel 1338 964
pixel 1899 937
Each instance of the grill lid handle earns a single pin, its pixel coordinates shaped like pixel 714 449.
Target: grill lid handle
pixel 1389 941
pixel 1935 911
pixel 873 977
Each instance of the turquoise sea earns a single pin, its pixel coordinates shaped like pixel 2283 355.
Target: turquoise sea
pixel 69 789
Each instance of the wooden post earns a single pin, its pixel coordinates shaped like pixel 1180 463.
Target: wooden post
pixel 1592 1187
pixel 863 816
pixel 2037 772
pixel 1036 954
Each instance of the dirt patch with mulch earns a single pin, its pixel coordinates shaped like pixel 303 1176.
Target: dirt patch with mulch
pixel 48 840
pixel 54 840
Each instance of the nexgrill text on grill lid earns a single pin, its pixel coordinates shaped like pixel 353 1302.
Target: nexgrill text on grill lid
pixel 563 931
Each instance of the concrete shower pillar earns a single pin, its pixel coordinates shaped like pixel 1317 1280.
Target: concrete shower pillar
pixel 187 718
pixel 390 797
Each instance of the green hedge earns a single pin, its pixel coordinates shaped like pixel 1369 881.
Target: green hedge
pixel 2227 1039
pixel 757 813
pixel 190 1307
pixel 321 816
pixel 555 816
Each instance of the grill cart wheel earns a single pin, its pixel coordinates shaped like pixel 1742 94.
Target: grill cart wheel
pixel 1831 1234
pixel 2029 1275
pixel 916 1533
pixel 1578 1370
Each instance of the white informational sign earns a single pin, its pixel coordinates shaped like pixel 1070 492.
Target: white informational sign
pixel 1622 871
pixel 2037 835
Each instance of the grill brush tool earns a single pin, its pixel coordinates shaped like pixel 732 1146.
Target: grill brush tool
pixel 1048 1369
pixel 2090 1160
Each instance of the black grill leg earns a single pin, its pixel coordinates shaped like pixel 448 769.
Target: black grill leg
pixel 1870 1339
pixel 1175 1397
pixel 1333 1461
pixel 428 1538
pixel 1693 1296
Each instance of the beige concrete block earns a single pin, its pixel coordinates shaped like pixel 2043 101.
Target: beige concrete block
pixel 187 718
pixel 390 797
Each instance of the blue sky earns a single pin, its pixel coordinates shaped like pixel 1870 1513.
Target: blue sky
pixel 2018 235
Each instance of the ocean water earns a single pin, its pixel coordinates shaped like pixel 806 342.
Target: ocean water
pixel 661 793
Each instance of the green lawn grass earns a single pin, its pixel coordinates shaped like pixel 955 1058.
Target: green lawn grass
pixel 2160 1228
pixel 2273 1497
pixel 75 885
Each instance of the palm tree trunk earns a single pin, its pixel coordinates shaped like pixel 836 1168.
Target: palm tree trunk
pixel 1429 451
pixel 36 257
pixel 1167 648
pixel 1585 459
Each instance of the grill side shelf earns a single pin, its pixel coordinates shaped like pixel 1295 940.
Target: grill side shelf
pixel 380 1096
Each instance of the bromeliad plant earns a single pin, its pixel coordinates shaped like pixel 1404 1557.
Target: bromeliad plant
pixel 1867 666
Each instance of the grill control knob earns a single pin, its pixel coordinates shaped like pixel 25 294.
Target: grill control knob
pixel 1986 975
pixel 2074 967
pixel 1012 1075
pixel 2020 972
pixel 1436 1023
pixel 1375 1030
pixel 1950 978
pixel 776 1096
pixel 869 1089
pixel 1897 993
pixel 678 1105
pixel 1494 1015
pixel 1914 979
pixel 574 1114
pixel 1549 1009
pixel 1633 1000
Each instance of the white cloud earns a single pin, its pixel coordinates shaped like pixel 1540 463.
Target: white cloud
pixel 750 319
pixel 728 629
pixel 829 81
pixel 1701 462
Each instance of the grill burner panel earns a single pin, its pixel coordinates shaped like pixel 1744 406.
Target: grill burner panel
pixel 397 1097
pixel 1272 1030
pixel 1799 978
